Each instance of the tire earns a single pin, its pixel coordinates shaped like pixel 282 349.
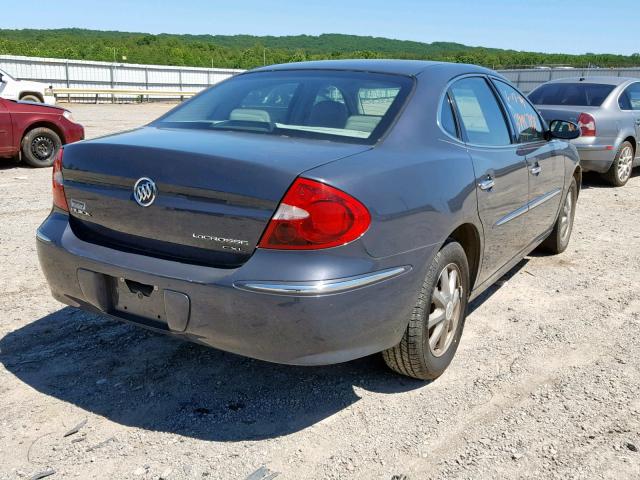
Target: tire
pixel 416 356
pixel 558 240
pixel 30 98
pixel 620 170
pixel 40 147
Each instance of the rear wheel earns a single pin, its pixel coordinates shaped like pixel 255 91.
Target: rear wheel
pixel 620 170
pixel 40 146
pixel 432 336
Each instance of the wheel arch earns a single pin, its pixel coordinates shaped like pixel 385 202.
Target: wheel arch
pixel 468 236
pixel 43 124
pixel 577 175
pixel 632 140
pixel 35 94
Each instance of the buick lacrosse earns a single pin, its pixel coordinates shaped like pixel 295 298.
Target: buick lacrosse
pixel 314 213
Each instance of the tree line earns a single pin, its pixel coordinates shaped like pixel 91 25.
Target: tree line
pixel 248 51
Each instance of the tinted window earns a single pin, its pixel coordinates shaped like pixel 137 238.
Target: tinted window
pixel 525 119
pixel 375 99
pixel 279 96
pixel 447 120
pixel 480 114
pixel 578 94
pixel 630 98
pixel 343 106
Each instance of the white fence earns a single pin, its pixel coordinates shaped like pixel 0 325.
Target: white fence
pixel 120 76
pixel 127 76
pixel 528 79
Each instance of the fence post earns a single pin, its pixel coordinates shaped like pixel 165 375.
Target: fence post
pixel 146 80
pixel 180 81
pixel 66 73
pixel 112 78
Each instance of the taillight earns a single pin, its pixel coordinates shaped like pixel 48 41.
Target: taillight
pixel 587 125
pixel 59 199
pixel 314 215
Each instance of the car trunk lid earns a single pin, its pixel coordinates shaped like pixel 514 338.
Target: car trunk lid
pixel 562 112
pixel 216 191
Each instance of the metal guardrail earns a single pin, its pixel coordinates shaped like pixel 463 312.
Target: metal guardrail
pixel 182 82
pixel 133 93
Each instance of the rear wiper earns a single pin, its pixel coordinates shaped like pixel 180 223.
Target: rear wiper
pixel 244 125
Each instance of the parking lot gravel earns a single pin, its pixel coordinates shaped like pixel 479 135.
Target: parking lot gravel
pixel 546 382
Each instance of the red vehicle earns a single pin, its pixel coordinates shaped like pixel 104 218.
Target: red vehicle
pixel 36 130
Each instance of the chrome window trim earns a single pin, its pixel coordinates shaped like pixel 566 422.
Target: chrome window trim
pixel 507 121
pixel 321 287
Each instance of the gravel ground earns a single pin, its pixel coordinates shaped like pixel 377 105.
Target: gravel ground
pixel 546 383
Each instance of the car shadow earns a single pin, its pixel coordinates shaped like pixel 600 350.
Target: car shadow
pixel 595 180
pixel 9 163
pixel 488 293
pixel 144 379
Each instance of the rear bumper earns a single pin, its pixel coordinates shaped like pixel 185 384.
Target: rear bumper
pixel 345 306
pixel 596 158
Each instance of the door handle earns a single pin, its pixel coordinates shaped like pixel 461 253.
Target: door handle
pixel 536 169
pixel 487 184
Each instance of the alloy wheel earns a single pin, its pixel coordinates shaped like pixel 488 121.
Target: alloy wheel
pixel 446 310
pixel 624 163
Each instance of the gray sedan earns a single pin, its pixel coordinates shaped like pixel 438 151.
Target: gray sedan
pixel 314 213
pixel 607 109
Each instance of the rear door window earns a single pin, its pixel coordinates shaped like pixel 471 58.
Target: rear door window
pixel 525 119
pixel 630 98
pixel 480 114
pixel 572 94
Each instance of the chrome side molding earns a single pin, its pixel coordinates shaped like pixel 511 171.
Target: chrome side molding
pixel 536 202
pixel 323 287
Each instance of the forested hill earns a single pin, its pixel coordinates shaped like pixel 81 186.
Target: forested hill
pixel 246 51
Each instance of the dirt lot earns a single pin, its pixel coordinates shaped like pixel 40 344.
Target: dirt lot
pixel 546 383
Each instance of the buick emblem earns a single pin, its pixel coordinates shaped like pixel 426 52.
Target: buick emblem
pixel 144 192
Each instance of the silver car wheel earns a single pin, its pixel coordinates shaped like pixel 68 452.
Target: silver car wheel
pixel 624 163
pixel 566 216
pixel 446 310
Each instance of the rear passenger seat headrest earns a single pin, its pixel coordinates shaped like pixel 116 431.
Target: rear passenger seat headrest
pixel 250 115
pixel 363 123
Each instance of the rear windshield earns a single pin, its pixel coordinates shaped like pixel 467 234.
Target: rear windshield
pixel 578 94
pixel 336 105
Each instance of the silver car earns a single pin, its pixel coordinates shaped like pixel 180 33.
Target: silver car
pixel 607 109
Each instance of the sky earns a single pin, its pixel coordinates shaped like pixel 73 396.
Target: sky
pixel 535 25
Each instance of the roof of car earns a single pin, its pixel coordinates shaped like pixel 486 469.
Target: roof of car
pixel 398 67
pixel 600 79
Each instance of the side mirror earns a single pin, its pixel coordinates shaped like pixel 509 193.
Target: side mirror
pixel 563 129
